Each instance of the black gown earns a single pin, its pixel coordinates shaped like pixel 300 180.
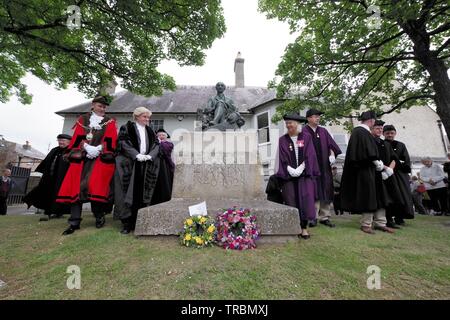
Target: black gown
pixel 43 196
pixel 361 191
pixel 390 186
pixel 135 183
pixel 404 209
pixel 164 184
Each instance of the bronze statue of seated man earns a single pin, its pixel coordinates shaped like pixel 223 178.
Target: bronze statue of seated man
pixel 220 112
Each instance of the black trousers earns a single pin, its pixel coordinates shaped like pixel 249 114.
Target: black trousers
pixel 418 202
pixel 58 209
pixel 394 214
pixel 304 224
pixel 439 200
pixel 130 222
pixel 3 206
pixel 98 209
pixel 337 204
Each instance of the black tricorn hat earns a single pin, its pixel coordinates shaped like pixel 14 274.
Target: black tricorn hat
pixel 294 116
pixel 101 99
pixel 312 112
pixel 389 127
pixel 367 115
pixel 379 122
pixel 64 136
pixel 162 130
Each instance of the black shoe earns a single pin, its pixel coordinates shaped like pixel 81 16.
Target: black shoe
pixel 312 224
pixel 125 230
pixel 304 236
pixel 45 218
pixel 392 225
pixel 70 230
pixel 328 223
pixel 438 213
pixel 100 222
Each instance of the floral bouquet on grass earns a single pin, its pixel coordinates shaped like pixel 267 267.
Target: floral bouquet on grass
pixel 198 231
pixel 236 229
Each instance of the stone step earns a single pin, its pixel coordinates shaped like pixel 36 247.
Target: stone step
pixel 278 223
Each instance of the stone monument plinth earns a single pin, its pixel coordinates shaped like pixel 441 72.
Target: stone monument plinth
pixel 221 168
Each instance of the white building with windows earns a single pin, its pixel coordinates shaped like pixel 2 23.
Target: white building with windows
pixel 419 127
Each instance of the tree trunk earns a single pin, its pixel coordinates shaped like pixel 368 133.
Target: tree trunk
pixel 435 67
pixel 441 85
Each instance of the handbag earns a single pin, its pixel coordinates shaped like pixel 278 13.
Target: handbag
pixel 421 188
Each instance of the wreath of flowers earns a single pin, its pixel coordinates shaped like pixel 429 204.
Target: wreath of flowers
pixel 236 229
pixel 198 231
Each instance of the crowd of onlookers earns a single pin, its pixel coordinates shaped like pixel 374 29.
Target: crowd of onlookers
pixel 430 188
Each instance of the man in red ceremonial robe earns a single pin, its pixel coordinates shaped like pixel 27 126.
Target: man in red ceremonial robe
pixel 91 154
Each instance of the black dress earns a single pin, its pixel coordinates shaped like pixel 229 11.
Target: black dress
pixel 404 208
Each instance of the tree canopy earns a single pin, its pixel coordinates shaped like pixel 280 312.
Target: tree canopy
pixel 356 54
pixel 116 38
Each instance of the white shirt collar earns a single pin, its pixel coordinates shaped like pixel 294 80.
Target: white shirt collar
pixel 94 121
pixel 365 126
pixel 140 126
pixel 96 116
pixel 314 129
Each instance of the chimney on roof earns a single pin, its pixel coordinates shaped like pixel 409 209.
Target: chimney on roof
pixel 110 88
pixel 27 145
pixel 239 71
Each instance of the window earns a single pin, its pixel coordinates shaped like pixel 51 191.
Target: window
pixel 157 124
pixel 341 140
pixel 263 127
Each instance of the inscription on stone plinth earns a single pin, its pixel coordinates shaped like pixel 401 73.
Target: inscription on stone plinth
pixel 231 175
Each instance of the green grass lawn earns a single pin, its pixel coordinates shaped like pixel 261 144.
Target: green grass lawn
pixel 415 263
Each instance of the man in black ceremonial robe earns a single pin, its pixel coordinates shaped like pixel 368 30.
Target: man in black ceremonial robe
pixel 389 180
pixel 404 209
pixel 362 191
pixel 53 169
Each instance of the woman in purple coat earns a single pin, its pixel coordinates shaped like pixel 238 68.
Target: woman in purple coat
pixel 299 169
pixel 167 164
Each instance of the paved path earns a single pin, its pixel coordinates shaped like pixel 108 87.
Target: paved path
pixel 15 210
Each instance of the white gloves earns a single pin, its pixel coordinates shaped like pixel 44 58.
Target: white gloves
pixel 379 165
pixel 143 157
pixel 296 172
pixel 387 172
pixel 301 168
pixel 332 159
pixel 92 152
pixel 292 171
